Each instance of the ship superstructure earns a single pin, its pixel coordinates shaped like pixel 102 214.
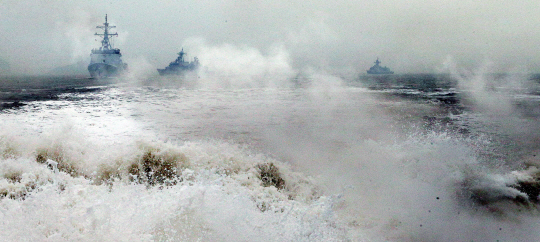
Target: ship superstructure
pixel 180 66
pixel 377 69
pixel 106 61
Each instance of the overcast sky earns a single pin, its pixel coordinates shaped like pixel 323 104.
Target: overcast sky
pixel 408 36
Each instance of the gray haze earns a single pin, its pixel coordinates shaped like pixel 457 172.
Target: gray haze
pixel 408 36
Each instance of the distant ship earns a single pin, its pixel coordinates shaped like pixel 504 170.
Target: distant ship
pixel 180 66
pixel 377 69
pixel 106 61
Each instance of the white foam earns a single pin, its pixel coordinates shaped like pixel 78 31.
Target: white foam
pixel 350 174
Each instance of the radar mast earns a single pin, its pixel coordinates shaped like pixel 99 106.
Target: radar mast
pixel 105 42
pixel 181 56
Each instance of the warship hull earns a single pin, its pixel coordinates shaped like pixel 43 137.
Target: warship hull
pixel 175 71
pixel 100 70
pixel 179 66
pixel 379 70
pixel 106 63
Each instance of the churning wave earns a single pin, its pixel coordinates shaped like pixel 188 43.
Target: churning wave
pixel 335 168
pixel 66 189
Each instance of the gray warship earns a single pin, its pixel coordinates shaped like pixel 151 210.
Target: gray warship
pixel 106 61
pixel 377 69
pixel 179 66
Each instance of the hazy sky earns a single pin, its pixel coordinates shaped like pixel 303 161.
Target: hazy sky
pixel 408 36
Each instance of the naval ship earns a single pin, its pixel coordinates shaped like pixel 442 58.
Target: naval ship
pixel 106 61
pixel 179 66
pixel 377 69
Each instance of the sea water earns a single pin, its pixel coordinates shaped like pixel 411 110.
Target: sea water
pixel 319 158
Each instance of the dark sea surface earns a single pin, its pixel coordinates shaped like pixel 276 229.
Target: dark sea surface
pixel 409 157
pixel 18 90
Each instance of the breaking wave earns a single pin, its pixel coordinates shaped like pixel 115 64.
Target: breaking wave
pixel 64 190
pixel 339 165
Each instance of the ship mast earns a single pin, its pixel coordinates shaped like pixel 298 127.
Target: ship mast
pixel 105 42
pixel 181 55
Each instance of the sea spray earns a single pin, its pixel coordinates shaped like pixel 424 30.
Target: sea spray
pixel 352 165
pixel 213 180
